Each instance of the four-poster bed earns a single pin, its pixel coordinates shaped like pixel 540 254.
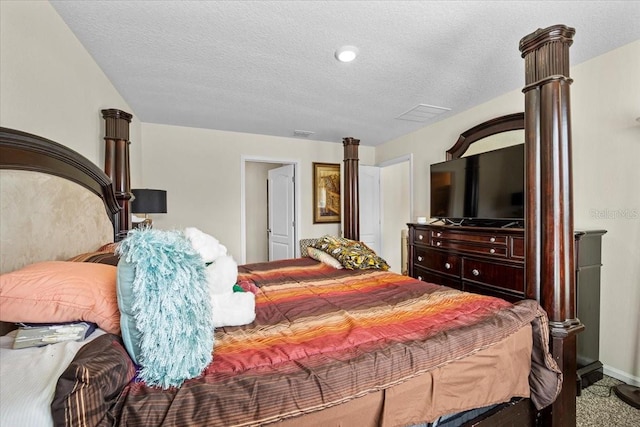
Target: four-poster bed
pixel 549 237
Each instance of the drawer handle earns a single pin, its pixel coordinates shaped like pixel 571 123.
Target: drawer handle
pixel 447 265
pixel 438 243
pixel 492 251
pixel 419 277
pixel 438 234
pixel 419 258
pixel 475 272
pixel 420 237
pixel 493 239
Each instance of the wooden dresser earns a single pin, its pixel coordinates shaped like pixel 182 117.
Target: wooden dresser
pixel 484 260
pixel 490 261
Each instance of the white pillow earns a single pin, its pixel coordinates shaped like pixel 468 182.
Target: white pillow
pixel 323 257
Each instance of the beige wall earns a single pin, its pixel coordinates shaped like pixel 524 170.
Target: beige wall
pixel 50 86
pixel 606 152
pixel 201 171
pixel 606 158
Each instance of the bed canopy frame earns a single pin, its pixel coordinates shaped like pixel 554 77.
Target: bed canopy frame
pixel 549 270
pixel 549 239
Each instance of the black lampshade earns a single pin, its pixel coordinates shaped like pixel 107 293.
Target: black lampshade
pixel 147 201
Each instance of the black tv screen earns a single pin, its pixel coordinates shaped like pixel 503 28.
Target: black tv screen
pixel 485 186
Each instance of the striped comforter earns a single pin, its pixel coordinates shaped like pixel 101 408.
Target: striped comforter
pixel 322 337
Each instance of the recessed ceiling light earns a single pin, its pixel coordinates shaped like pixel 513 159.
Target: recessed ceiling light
pixel 346 53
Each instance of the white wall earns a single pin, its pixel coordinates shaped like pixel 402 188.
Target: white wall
pixel 200 169
pixel 605 98
pixel 50 86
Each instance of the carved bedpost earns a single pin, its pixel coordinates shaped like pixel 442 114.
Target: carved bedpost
pixel 549 269
pixel 116 165
pixel 351 211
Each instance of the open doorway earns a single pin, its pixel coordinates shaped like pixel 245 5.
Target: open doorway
pixel 386 206
pixel 396 189
pixel 254 213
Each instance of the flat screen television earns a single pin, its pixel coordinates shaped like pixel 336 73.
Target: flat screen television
pixel 482 189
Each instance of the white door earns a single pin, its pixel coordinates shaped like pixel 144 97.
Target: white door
pixel 369 193
pixel 281 225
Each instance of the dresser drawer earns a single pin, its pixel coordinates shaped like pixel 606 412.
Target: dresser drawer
pixel 441 262
pixel 489 250
pixel 517 247
pixel 493 239
pixel 420 236
pixel 485 260
pixel 431 277
pixel 497 275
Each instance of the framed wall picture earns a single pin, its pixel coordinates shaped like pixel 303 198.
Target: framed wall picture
pixel 326 192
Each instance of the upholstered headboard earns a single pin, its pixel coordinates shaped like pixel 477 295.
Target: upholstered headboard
pixel 54 203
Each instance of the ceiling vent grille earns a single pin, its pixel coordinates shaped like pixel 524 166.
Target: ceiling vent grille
pixel 422 113
pixel 302 133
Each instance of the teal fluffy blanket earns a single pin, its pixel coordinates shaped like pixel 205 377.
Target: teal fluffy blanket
pixel 165 306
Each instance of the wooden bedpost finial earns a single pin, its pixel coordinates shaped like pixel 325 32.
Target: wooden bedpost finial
pixel 116 165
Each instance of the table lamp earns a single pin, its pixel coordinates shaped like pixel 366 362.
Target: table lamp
pixel 147 201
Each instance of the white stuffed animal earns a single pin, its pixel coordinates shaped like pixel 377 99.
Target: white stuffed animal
pixel 207 246
pixel 234 309
pixel 222 275
pixel 229 308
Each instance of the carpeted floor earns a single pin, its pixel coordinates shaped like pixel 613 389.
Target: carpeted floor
pixel 598 406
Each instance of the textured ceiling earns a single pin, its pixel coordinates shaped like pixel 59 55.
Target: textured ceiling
pixel 268 67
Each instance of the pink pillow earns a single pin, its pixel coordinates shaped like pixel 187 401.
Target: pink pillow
pixel 61 291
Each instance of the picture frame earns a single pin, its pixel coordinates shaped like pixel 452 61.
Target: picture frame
pixel 326 193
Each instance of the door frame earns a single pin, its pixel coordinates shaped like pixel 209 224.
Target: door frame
pixel 296 195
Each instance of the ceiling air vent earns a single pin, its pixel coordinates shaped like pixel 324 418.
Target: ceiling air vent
pixel 302 133
pixel 422 113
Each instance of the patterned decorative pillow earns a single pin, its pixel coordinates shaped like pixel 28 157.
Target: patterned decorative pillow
pixel 105 254
pixel 323 257
pixel 109 247
pixel 352 254
pixel 100 257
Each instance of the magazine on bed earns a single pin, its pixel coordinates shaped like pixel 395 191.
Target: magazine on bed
pixel 37 335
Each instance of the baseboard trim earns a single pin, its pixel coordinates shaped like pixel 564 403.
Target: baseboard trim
pixel 622 376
